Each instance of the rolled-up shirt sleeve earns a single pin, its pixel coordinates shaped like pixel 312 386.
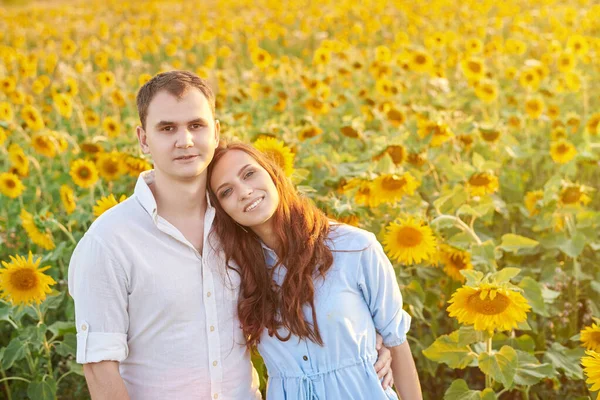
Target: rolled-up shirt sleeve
pixel 379 285
pixel 99 287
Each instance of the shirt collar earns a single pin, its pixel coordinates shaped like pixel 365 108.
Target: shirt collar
pixel 146 198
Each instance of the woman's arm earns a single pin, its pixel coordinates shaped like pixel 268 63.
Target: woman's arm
pixel 406 379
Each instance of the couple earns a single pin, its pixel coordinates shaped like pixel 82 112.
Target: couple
pixel 216 254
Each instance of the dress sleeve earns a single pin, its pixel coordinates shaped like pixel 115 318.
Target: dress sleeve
pixel 379 286
pixel 99 287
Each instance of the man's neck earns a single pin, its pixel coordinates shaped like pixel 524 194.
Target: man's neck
pixel 177 199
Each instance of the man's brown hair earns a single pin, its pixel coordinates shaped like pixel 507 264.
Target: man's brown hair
pixel 176 83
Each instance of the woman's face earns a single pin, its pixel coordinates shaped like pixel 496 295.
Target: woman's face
pixel 244 189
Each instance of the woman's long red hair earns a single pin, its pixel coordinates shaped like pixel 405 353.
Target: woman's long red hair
pixel 302 230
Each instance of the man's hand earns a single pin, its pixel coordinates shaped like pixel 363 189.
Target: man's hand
pixel 383 366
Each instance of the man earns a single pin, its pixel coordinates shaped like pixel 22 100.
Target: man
pixel 155 306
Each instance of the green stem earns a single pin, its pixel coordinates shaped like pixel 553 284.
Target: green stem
pixel 459 224
pixel 10 321
pixel 62 376
pixel 6 386
pixel 488 379
pixel 65 230
pixel 14 378
pixel 46 346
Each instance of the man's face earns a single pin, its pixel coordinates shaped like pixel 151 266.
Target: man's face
pixel 181 134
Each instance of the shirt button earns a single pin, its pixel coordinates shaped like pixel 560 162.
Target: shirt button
pixel 215 396
pixel 212 328
pixel 208 294
pixel 84 327
pixel 214 363
pixel 305 358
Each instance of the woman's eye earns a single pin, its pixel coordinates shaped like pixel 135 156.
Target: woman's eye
pixel 225 193
pixel 248 174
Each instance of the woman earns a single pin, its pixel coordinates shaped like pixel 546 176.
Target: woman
pixel 313 292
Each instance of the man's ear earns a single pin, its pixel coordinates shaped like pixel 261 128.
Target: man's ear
pixel 142 139
pixel 217 131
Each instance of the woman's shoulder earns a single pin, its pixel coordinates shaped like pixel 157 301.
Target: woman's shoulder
pixel 345 237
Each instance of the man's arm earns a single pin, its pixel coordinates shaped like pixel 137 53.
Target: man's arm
pixel 104 381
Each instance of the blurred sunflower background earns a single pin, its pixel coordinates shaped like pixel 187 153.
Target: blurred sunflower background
pixel 465 135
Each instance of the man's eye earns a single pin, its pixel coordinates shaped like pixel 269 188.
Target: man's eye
pixel 168 128
pixel 196 126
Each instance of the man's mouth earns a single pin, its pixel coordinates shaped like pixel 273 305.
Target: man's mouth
pixel 187 157
pixel 254 204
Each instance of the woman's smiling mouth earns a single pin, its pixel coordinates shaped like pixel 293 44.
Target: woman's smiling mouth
pixel 254 204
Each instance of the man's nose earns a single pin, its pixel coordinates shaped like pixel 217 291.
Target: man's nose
pixel 185 139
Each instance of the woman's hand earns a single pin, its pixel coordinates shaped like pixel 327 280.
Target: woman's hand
pixel 383 366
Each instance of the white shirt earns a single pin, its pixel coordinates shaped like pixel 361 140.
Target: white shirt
pixel 144 296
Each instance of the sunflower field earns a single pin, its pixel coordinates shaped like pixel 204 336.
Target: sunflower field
pixel 466 135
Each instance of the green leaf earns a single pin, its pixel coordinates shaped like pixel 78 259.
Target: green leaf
pixel 42 390
pixel 68 346
pixel 59 328
pixel 513 243
pixel 532 291
pixel 523 342
pixel 565 359
pixel 574 246
pixel 414 295
pixel 473 277
pixel 76 368
pixel 501 366
pixel 15 351
pixel 484 255
pixel 530 371
pixel 447 350
pixel 488 394
pixel 506 274
pixel 468 335
pixel 459 390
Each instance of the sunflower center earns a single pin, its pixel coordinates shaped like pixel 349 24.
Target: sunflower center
pixel 409 237
pixel 490 136
pixel 397 153
pixel 458 261
pixel 392 184
pixel 111 168
pixel 488 306
pixel 23 279
pixel 562 149
pixel 594 337
pixel 10 183
pixel 479 180
pixel 420 59
pixel 84 172
pixel 475 67
pixel 571 195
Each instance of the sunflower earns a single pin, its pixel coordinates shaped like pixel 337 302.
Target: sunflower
pixel 590 337
pixel 396 117
pixel 473 68
pixel 111 126
pixel 562 151
pixel 531 201
pixel 110 165
pixel 466 141
pixel 553 111
pixel 566 62
pixel 440 132
pixel 64 104
pixel 592 126
pixel 455 260
pixel 261 58
pixel 321 56
pixel 397 153
pixel 278 152
pixel 44 144
pixel 84 173
pixel 105 79
pixel 529 79
pixel 417 159
pixel 487 91
pixel 573 195
pixel 364 195
pixel 136 165
pixel 32 118
pixel 6 112
pixel 42 239
pixel 534 107
pixel 410 241
pixel 18 159
pixel 578 45
pixel 490 135
pixel 390 188
pixel 11 185
pixel 3 136
pixel 488 307
pixel 350 132
pixel 22 282
pixel 309 132
pixel 106 203
pixel 68 198
pixel 558 133
pixel 420 61
pixel 591 367
pixel 482 183
pixel 91 118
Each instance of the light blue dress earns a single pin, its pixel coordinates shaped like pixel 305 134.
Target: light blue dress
pixel 358 297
